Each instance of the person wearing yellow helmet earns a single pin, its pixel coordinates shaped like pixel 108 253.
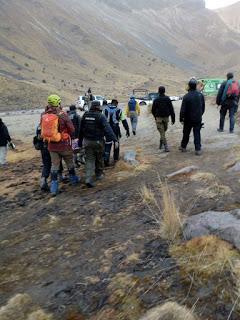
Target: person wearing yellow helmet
pixel 57 129
pixel 54 100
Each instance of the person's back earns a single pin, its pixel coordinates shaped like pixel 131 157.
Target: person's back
pixel 192 109
pixel 92 125
pixel 162 109
pixel 228 98
pixel 194 106
pixel 76 120
pixel 133 112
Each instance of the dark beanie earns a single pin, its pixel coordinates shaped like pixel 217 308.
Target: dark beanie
pixel 230 75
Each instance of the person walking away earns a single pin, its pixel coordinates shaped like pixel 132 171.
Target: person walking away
pixel 94 127
pixel 133 112
pixel 57 129
pixel 5 139
pixel 192 109
pixel 114 116
pixel 228 98
pixel 162 109
pixel 76 121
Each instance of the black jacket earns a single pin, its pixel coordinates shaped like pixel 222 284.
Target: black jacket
pixel 228 102
pixel 76 120
pixel 94 126
pixel 162 108
pixel 193 107
pixel 4 135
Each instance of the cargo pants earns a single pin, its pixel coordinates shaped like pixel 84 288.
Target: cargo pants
pixel 162 126
pixel 94 159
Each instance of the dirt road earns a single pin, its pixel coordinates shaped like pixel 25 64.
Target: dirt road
pixel 97 254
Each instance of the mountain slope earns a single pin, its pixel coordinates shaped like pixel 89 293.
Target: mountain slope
pixel 231 16
pixel 112 46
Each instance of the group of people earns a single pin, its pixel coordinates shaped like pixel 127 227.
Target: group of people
pixel 62 135
pixel 192 110
pixel 66 137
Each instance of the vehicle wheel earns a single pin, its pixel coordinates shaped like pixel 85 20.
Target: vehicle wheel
pixel 143 103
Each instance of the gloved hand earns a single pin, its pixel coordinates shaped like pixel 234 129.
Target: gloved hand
pixel 11 145
pixel 127 134
pixel 116 145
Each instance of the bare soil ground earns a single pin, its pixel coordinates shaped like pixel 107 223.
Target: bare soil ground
pixel 97 254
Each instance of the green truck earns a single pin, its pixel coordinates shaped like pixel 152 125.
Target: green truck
pixel 211 86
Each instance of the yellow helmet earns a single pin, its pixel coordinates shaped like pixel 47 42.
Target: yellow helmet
pixel 54 100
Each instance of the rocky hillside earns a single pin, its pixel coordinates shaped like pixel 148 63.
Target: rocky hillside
pixel 69 45
pixel 230 16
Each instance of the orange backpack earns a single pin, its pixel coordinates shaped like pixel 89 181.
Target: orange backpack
pixel 50 128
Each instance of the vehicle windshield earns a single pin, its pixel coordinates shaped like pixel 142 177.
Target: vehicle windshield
pixel 153 95
pixel 99 98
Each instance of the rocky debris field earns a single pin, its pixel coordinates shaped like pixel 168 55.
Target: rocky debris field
pixel 123 248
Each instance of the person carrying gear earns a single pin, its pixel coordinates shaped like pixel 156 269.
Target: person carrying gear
pixel 114 116
pixel 42 146
pixel 133 112
pixel 192 109
pixel 5 139
pixel 57 129
pixel 228 99
pixel 94 127
pixel 162 109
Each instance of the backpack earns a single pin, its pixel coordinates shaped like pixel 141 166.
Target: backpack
pixel 50 128
pixel 113 115
pixel 132 105
pixel 233 90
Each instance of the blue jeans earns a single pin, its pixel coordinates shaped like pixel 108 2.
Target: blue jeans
pixel 223 113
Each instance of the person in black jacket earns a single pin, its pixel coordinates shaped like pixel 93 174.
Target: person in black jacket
pixel 4 140
pixel 94 127
pixel 227 104
pixel 193 107
pixel 162 109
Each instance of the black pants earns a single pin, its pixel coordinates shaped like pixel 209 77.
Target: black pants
pixel 187 128
pixel 107 153
pixel 108 146
pixel 47 163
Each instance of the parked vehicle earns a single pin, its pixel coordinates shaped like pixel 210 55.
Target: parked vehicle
pixel 82 104
pixel 145 98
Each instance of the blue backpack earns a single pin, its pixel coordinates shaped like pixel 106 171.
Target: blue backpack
pixel 132 105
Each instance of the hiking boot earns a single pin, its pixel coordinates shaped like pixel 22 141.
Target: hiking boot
pixel 220 130
pixel 198 152
pixel 166 149
pixel 182 149
pixel 100 177
pixel 90 184
pixel 231 131
pixel 161 145
pixel 74 179
pixel 54 188
pixel 134 132
pixel 44 185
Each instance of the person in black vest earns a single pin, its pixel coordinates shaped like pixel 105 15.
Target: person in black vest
pixel 94 127
pixel 192 110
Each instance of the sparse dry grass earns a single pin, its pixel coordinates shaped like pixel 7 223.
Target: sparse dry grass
pixel 164 211
pixel 209 262
pixel 215 190
pixel 170 311
pixel 147 195
pixel 171 224
pixel 20 307
pixel 205 177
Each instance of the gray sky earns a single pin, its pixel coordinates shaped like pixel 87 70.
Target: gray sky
pixel 213 4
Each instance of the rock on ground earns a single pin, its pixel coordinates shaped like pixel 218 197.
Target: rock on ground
pixel 169 311
pixel 183 171
pixel 130 157
pixel 225 225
